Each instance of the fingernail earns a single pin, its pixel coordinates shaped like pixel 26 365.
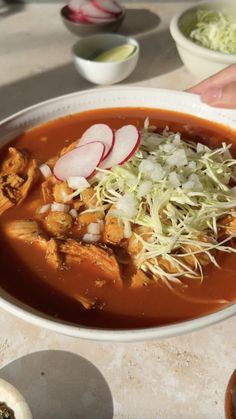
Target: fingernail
pixel 212 95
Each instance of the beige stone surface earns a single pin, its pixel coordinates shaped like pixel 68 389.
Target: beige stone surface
pixel 62 377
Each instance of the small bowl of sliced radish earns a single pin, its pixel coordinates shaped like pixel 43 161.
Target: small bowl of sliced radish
pixel 105 59
pixel 87 17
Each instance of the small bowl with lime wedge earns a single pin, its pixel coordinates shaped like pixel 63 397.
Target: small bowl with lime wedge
pixel 105 59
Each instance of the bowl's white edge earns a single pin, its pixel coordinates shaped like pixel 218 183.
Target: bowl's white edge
pixel 226 117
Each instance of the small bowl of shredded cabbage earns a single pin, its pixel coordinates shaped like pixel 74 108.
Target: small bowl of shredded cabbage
pixel 205 36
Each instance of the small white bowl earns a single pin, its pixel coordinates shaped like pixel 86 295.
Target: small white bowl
pixel 14 400
pixel 200 61
pixel 103 73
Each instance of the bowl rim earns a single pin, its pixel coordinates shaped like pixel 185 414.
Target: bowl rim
pixel 31 315
pixel 92 25
pixel 106 35
pixel 191 46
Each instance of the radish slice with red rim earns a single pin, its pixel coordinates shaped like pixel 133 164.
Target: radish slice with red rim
pixel 89 10
pixel 108 6
pixel 99 132
pixel 75 5
pixel 92 19
pixel 127 140
pixel 81 161
pixel 78 17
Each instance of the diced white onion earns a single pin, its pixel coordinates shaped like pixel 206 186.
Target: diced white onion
pixel 144 188
pixel 146 123
pixel 192 165
pixel 178 159
pixel 158 173
pixel 174 179
pixel 200 147
pixel 45 170
pixel 57 207
pixel 73 212
pixel 94 228
pixel 127 205
pixel 177 139
pixel 78 182
pixel 91 238
pixel 44 208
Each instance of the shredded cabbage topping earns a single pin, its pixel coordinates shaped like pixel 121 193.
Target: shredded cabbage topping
pixel 172 196
pixel 215 30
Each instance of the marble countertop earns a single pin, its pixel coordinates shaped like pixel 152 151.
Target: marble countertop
pixel 62 377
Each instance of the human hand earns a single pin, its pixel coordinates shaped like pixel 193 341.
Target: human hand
pixel 218 90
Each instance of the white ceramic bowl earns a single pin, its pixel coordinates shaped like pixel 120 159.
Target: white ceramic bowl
pixel 200 61
pixel 14 400
pixel 103 73
pixel 112 97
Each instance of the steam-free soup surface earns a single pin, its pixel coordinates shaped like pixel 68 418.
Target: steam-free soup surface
pixel 25 275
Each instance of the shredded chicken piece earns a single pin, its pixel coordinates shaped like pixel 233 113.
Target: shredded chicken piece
pixel 167 266
pixel 228 226
pixel 47 189
pixel 139 279
pixel 60 192
pixel 104 259
pixel 90 217
pixel 27 230
pixel 32 176
pixel 15 162
pixel 113 230
pixel 83 220
pixel 58 223
pixel 88 303
pixel 53 256
pixel 88 196
pixel 77 204
pixel 134 245
pixel 10 193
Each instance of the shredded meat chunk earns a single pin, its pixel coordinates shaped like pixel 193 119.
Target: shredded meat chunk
pixel 228 226
pixel 104 259
pixel 15 162
pixel 27 230
pixel 32 176
pixel 47 189
pixel 53 256
pixel 139 279
pixel 58 223
pixel 61 191
pixel 88 196
pixel 9 190
pixel 88 303
pixel 14 188
pixel 113 230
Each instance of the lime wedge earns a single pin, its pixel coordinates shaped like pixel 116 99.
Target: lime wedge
pixel 119 53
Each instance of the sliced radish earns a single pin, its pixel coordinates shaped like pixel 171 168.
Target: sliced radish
pixel 82 161
pixel 91 19
pixel 127 140
pixel 89 11
pixel 99 132
pixel 78 17
pixel 75 5
pixel 108 6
